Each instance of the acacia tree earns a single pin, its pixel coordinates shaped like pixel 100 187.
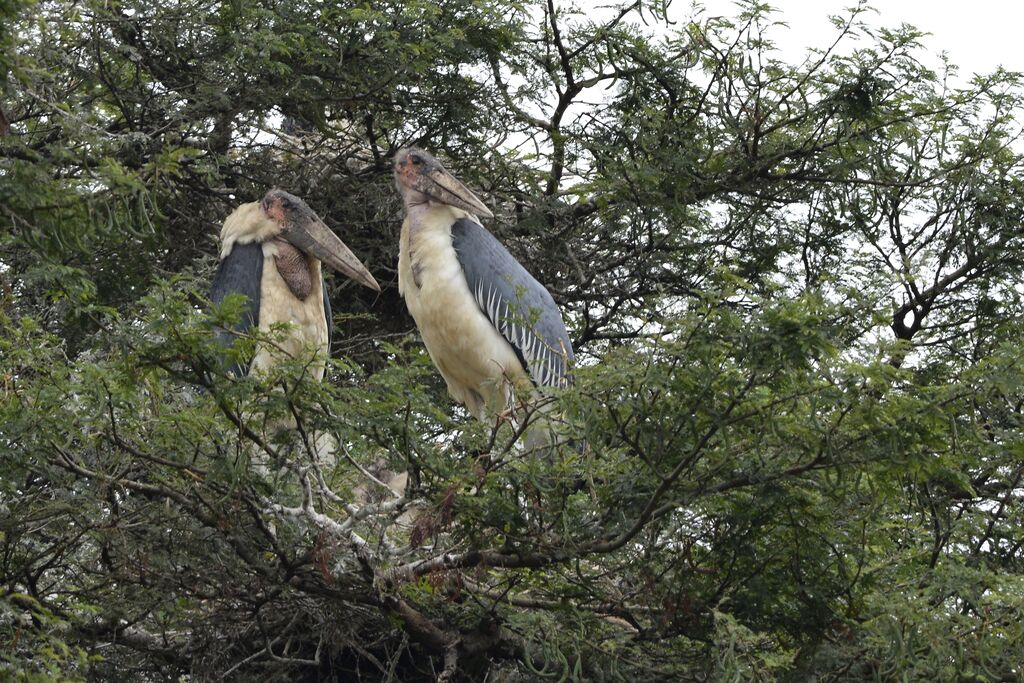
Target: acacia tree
pixel 795 292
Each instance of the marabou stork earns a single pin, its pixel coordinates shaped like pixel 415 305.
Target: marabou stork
pixel 271 252
pixel 491 329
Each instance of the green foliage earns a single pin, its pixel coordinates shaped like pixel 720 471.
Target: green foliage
pixel 793 443
pixel 35 649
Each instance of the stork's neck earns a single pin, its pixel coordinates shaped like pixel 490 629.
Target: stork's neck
pixel 418 206
pixel 418 214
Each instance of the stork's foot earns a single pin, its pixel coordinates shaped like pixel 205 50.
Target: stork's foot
pixel 508 415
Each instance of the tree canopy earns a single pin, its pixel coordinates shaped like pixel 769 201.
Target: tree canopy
pixel 794 290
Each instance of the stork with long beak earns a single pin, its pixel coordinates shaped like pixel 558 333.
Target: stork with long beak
pixel 491 329
pixel 271 252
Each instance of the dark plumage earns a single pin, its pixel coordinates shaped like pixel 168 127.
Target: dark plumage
pixel 518 306
pixel 239 273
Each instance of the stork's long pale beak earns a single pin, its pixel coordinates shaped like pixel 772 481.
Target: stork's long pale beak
pixel 442 186
pixel 314 237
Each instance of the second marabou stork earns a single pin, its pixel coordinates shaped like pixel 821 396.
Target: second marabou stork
pixel 271 252
pixel 491 329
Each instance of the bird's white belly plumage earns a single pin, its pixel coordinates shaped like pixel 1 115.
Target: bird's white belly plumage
pixel 478 364
pixel 307 318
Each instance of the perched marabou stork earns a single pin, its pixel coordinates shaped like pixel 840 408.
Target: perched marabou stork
pixel 489 326
pixel 271 252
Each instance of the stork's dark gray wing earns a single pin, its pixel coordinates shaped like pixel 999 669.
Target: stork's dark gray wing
pixel 239 272
pixel 516 304
pixel 327 313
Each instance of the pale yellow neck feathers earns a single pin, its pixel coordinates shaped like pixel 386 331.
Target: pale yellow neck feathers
pixel 248 223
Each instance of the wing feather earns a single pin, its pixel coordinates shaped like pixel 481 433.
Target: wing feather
pixel 240 272
pixel 327 313
pixel 518 306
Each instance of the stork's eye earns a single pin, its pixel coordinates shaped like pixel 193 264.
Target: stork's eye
pixel 416 160
pixel 286 203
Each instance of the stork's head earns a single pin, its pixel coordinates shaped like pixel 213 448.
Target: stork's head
pixel 421 178
pixel 299 225
pixel 284 216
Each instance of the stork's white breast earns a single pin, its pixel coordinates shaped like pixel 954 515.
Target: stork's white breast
pixel 279 305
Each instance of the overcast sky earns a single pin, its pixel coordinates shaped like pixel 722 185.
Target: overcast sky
pixel 978 35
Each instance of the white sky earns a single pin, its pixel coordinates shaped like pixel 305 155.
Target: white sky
pixel 978 35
